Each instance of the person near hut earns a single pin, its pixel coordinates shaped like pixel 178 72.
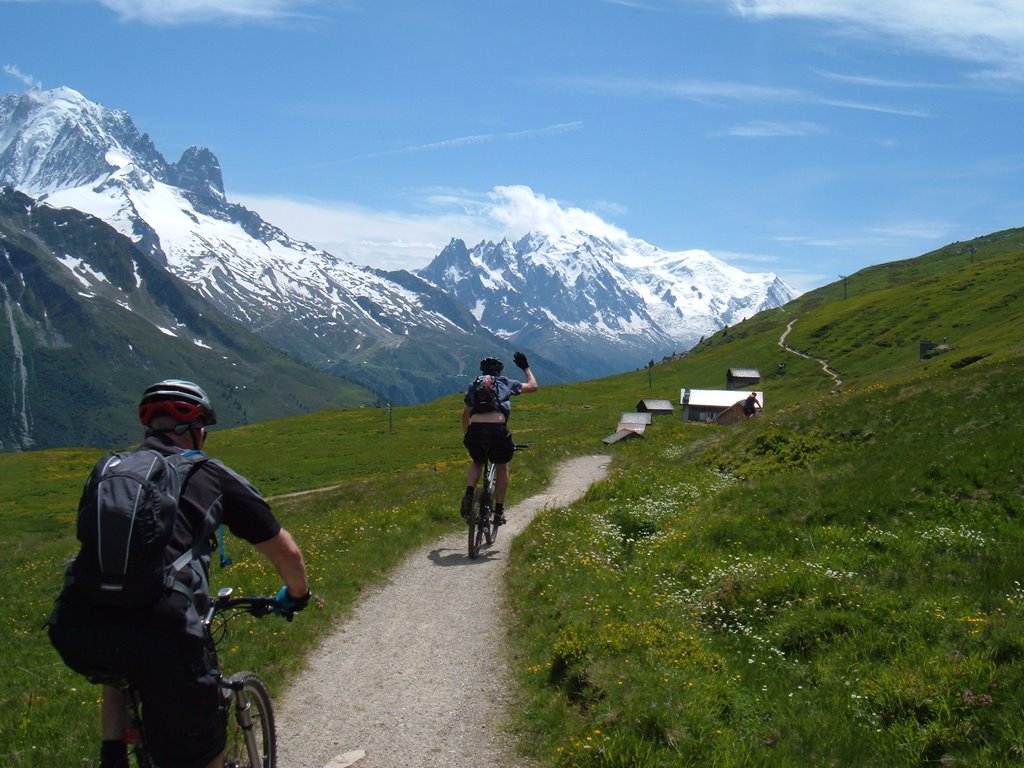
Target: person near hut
pixel 751 405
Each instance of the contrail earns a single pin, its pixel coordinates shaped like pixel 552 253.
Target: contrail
pixel 463 141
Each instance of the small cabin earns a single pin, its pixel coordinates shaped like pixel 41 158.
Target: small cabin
pixel 708 405
pixel 656 407
pixel 738 378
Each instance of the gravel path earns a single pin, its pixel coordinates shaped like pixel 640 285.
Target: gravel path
pixel 397 683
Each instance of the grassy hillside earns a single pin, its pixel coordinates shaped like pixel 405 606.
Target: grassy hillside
pixel 837 582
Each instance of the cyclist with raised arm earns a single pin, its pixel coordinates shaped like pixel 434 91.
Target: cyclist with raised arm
pixel 159 648
pixel 485 427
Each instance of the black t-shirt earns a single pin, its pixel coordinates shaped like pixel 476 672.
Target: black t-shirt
pixel 213 494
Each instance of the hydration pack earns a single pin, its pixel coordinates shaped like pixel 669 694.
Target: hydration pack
pixel 483 394
pixel 126 519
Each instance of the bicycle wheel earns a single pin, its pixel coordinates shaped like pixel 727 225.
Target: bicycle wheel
pixel 257 719
pixel 495 525
pixel 477 524
pixel 483 523
pixel 474 548
pixel 484 508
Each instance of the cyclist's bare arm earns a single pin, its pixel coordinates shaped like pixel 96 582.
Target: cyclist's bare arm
pixel 530 385
pixel 286 557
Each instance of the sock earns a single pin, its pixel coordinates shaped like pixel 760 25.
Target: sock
pixel 469 490
pixel 113 754
pixel 499 509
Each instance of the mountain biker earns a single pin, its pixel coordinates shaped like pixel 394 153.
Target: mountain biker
pixel 159 648
pixel 750 405
pixel 486 435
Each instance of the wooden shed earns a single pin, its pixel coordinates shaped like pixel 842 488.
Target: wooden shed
pixel 738 378
pixel 657 407
pixel 708 405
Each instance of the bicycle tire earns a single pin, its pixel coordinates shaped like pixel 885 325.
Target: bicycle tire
pixel 484 521
pixel 492 525
pixel 262 713
pixel 474 542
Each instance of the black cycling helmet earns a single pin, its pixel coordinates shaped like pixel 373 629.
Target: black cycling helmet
pixel 181 400
pixel 491 366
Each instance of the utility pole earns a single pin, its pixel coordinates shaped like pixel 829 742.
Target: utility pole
pixel 843 278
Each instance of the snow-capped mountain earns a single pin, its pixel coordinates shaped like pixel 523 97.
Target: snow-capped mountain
pixel 602 306
pixel 87 320
pixel 584 305
pixel 60 147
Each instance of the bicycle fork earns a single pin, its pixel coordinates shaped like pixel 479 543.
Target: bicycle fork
pixel 243 716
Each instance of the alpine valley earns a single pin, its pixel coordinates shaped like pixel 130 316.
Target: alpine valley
pixel 118 267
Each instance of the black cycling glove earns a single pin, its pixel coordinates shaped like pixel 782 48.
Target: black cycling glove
pixel 520 360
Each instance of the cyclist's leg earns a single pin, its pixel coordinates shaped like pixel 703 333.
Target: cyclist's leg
pixel 501 455
pixel 476 468
pixel 500 483
pixel 113 750
pixel 476 446
pixel 113 714
pixel 184 712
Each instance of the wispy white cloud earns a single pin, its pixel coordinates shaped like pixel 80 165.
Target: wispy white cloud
pixel 710 91
pixel 908 234
pixel 878 82
pixel 176 12
pixel 28 80
pixel 464 141
pixel 883 108
pixel 692 90
pixel 642 6
pixel 759 129
pixel 385 239
pixel 985 31
pixel 412 239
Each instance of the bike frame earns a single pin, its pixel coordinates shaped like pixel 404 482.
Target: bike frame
pixel 483 528
pixel 134 734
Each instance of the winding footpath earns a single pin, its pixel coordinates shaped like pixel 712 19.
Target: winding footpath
pixel 824 363
pixel 417 675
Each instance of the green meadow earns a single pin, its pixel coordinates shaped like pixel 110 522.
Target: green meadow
pixel 837 582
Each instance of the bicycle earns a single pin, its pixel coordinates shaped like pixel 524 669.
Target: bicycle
pixel 252 743
pixel 483 521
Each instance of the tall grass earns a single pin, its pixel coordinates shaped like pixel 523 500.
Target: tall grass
pixel 840 587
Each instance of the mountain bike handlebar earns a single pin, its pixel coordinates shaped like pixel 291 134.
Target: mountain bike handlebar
pixel 258 606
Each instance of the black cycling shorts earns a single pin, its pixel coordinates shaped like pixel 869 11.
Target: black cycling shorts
pixel 183 711
pixel 489 441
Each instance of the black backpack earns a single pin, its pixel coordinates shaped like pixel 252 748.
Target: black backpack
pixel 126 518
pixel 483 395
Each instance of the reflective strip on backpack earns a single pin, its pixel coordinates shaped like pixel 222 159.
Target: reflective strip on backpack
pixel 135 507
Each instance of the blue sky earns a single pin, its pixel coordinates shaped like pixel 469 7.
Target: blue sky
pixel 809 138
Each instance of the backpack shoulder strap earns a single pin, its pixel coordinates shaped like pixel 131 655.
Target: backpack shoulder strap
pixel 184 463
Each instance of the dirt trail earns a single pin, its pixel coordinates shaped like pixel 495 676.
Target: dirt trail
pixel 415 676
pixel 824 363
